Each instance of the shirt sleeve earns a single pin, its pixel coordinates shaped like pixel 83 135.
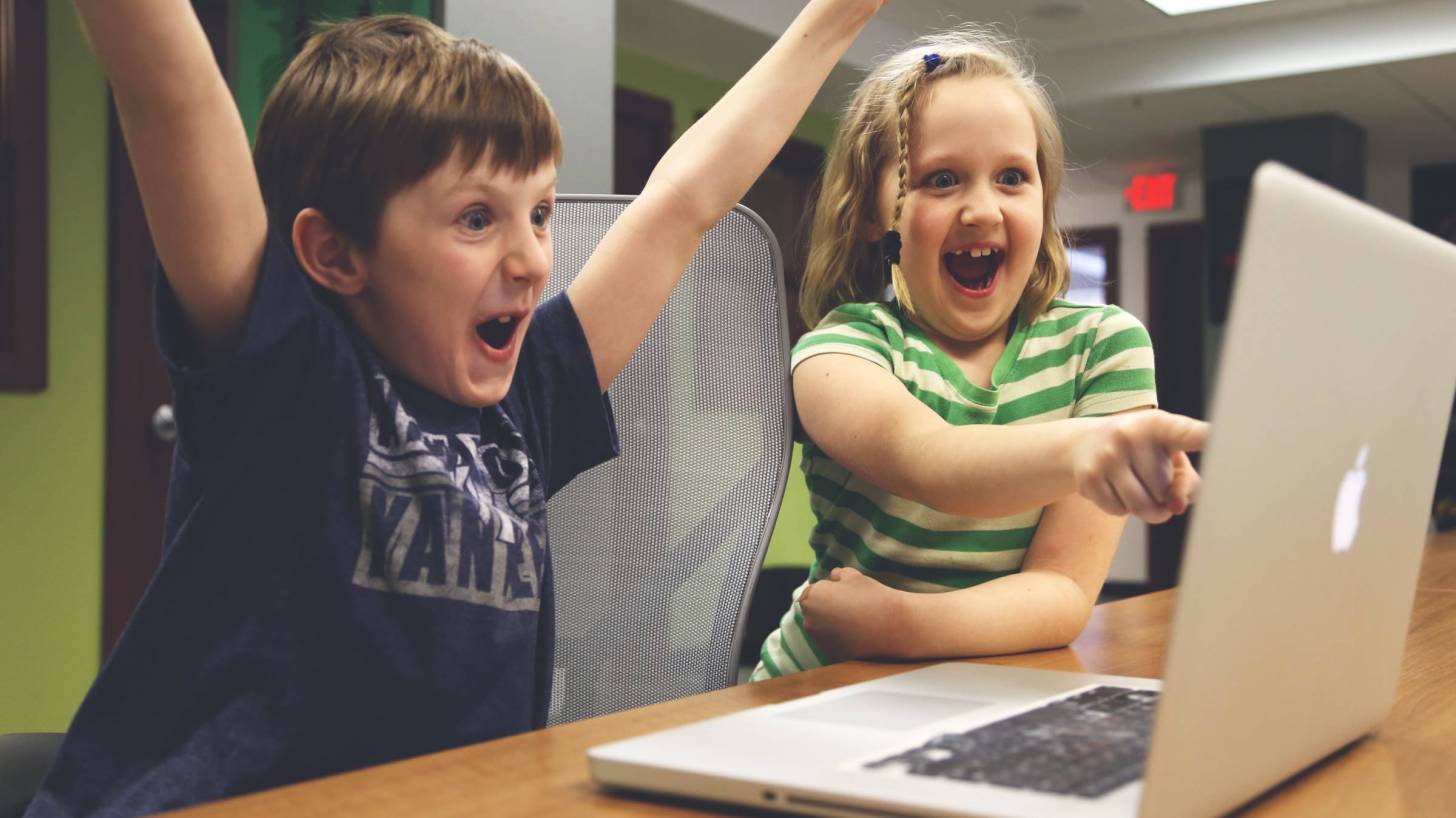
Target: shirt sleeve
pixel 288 354
pixel 1118 374
pixel 861 330
pixel 556 397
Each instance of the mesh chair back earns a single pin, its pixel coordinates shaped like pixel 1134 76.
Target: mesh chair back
pixel 655 552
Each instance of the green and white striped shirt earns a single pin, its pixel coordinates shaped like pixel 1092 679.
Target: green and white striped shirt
pixel 1072 361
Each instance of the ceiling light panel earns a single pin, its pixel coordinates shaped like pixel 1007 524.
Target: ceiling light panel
pixel 1176 7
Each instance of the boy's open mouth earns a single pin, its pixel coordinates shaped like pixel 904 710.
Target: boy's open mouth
pixel 497 332
pixel 974 269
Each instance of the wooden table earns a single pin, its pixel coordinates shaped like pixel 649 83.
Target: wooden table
pixel 1407 769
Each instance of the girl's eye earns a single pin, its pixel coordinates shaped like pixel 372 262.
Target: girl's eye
pixel 942 179
pixel 541 215
pixel 475 219
pixel 1011 177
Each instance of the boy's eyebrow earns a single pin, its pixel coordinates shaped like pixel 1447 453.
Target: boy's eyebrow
pixel 474 183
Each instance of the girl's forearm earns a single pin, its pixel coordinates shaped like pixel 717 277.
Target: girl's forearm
pixel 711 166
pixel 995 471
pixel 1031 610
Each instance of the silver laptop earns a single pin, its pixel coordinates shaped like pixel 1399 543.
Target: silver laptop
pixel 1331 406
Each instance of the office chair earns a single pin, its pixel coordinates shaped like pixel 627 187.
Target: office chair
pixel 655 552
pixel 24 760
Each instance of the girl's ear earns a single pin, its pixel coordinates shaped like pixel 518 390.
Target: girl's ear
pixel 871 229
pixel 326 254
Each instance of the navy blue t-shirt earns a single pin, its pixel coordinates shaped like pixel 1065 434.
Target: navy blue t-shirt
pixel 355 569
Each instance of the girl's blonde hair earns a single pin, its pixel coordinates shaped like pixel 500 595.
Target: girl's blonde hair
pixel 875 130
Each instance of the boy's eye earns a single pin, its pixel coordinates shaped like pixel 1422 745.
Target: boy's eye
pixel 541 215
pixel 1011 177
pixel 475 219
pixel 941 180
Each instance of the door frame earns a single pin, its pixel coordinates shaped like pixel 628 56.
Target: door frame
pixel 23 208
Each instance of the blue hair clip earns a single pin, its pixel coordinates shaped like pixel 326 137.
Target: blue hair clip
pixel 932 62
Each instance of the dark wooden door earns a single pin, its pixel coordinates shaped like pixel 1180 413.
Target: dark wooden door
pixel 642 132
pixel 784 196
pixel 1176 287
pixel 138 458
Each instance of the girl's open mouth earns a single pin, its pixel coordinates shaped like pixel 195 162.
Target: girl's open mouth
pixel 974 270
pixel 499 332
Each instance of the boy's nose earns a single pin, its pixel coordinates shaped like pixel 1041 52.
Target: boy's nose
pixel 529 257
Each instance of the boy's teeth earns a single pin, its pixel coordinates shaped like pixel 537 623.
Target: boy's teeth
pixel 504 319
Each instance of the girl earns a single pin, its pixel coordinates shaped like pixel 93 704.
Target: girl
pixel 985 455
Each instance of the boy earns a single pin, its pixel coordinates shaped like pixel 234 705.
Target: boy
pixel 356 566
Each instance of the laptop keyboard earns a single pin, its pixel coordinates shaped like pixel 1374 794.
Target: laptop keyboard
pixel 1085 745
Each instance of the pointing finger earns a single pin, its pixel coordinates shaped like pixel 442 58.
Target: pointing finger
pixel 1183 434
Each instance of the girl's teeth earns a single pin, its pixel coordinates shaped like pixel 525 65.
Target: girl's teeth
pixel 504 319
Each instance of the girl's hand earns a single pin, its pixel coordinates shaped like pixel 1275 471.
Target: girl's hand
pixel 850 615
pixel 1135 463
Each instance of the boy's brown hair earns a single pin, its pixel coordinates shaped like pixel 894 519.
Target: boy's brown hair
pixel 371 106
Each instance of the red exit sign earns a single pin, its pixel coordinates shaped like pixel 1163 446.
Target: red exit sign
pixel 1152 192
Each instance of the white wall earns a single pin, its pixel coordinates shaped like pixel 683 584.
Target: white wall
pixel 1085 204
pixel 569 47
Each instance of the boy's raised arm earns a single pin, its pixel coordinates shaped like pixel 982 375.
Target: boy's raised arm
pixel 633 271
pixel 190 154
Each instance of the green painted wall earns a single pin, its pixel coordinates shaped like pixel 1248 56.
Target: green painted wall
pixel 689 94
pixel 267 35
pixel 789 547
pixel 52 441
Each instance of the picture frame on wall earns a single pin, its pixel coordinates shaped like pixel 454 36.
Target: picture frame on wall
pixel 22 196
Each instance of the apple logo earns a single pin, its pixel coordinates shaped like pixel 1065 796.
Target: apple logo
pixel 1347 504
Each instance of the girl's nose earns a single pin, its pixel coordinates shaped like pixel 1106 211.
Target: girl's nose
pixel 980 208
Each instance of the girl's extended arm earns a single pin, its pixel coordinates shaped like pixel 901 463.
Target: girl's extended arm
pixel 623 286
pixel 190 154
pixel 864 419
pixel 1045 605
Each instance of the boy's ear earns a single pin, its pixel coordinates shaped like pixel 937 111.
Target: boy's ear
pixel 326 254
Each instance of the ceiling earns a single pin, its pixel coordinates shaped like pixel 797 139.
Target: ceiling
pixel 1133 85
